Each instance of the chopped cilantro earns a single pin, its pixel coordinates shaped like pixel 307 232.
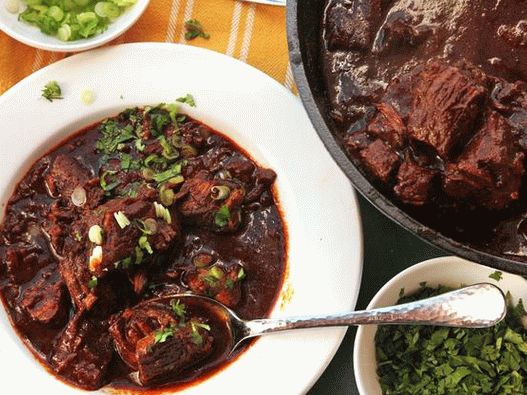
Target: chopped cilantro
pixel 52 91
pixel 440 360
pixel 113 135
pixel 139 146
pixel 163 334
pixel 138 255
pixel 194 30
pixel 159 119
pixel 188 99
pixel 222 216
pixel 178 308
pixel 497 275
pixel 129 163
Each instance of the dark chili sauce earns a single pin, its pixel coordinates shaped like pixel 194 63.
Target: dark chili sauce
pixel 258 244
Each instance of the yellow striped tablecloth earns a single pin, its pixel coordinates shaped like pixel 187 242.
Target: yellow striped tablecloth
pixel 252 33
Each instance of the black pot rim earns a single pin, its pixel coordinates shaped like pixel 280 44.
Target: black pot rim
pixel 366 189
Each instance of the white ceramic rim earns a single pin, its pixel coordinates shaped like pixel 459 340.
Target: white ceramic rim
pixel 30 35
pixel 450 271
pixel 328 241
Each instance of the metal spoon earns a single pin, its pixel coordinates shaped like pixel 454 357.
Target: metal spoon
pixel 477 306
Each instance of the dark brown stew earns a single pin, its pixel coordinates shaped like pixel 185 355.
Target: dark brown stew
pixel 429 98
pixel 106 226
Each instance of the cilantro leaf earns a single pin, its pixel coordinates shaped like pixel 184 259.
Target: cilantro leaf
pixel 52 91
pixel 195 30
pixel 497 275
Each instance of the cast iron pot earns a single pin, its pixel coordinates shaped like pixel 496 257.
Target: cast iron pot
pixel 304 21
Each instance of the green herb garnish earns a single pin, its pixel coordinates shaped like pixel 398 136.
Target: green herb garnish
pixel 497 275
pixel 222 216
pixel 106 183
pixel 113 135
pixel 188 99
pixel 73 20
pixel 197 339
pixel 52 91
pixel 129 163
pixel 195 30
pixel 162 335
pixel 438 360
pixel 145 245
pixel 93 282
pixel 178 308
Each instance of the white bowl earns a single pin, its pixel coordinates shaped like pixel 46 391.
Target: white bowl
pixel 449 271
pixel 263 117
pixel 32 36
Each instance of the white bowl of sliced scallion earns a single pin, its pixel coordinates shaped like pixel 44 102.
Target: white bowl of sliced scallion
pixel 68 25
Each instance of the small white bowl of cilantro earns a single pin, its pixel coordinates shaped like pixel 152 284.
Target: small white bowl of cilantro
pixel 68 25
pixel 432 360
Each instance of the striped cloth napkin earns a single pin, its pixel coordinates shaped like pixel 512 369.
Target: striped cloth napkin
pixel 252 33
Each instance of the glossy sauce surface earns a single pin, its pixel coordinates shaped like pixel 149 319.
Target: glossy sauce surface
pixel 255 250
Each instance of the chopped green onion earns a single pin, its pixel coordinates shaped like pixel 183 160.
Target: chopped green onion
pixel 241 274
pixel 163 212
pixel 172 109
pixel 216 272
pixel 148 174
pixel 87 96
pixel 12 6
pixel 56 13
pixel 77 236
pixel 107 187
pixel 145 245
pixel 220 192
pixel 95 234
pixel 52 91
pixel 106 9
pixel 168 152
pixel 222 216
pixel 172 172
pixel 166 195
pixel 64 34
pixel 93 282
pixel 154 160
pixel 121 219
pixel 138 255
pixel 496 276
pixel 176 180
pixel 225 174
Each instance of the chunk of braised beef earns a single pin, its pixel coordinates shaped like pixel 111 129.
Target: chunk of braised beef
pixel 350 24
pixel 446 104
pixel 414 183
pixel 388 126
pixel 136 323
pixel 75 273
pixel 263 180
pixel 401 28
pixel 66 174
pixel 45 299
pixel 490 170
pixel 222 283
pixel 377 157
pixel 24 260
pixel 83 352
pixel 121 243
pixel 186 347
pixel 199 202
